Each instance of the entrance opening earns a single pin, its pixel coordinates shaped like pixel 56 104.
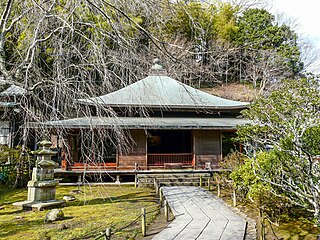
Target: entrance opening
pixel 169 148
pixel 166 141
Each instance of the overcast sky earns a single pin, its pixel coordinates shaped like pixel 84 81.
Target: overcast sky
pixel 306 17
pixel 305 12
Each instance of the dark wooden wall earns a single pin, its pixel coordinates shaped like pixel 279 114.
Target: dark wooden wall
pixel 137 153
pixel 207 147
pixel 73 140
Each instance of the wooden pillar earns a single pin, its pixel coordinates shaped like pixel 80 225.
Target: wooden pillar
pixel 166 210
pixel 234 197
pixel 143 222
pixel 135 180
pixel 64 164
pixel 146 140
pixel 161 196
pixel 118 179
pixel 193 150
pixel 108 234
pixel 262 226
pixel 79 178
pixel 156 187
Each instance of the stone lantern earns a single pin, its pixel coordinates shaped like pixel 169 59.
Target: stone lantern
pixel 42 186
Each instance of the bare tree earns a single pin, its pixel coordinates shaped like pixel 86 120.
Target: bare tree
pixel 64 50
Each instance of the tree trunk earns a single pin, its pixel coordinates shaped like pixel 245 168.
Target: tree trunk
pixel 317 211
pixel 262 226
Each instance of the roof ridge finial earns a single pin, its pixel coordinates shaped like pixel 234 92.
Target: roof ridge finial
pixel 157 68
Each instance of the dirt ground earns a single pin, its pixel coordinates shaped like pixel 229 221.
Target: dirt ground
pixel 233 91
pixel 158 225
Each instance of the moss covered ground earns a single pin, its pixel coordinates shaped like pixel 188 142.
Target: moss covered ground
pixel 297 225
pixel 95 209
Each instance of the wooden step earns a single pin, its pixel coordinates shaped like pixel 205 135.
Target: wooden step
pixel 174 175
pixel 148 180
pixel 185 183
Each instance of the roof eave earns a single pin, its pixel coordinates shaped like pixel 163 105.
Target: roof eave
pixel 155 127
pixel 172 107
pixel 144 123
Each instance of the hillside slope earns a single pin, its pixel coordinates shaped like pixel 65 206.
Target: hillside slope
pixel 234 91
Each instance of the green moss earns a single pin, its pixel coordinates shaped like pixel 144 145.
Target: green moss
pixel 94 210
pixel 297 229
pixel 295 226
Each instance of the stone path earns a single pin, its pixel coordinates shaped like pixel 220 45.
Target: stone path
pixel 199 215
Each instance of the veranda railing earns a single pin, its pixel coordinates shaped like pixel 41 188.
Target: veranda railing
pixel 159 159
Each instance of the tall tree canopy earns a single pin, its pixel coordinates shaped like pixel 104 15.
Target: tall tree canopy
pixel 269 42
pixel 62 50
pixel 202 41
